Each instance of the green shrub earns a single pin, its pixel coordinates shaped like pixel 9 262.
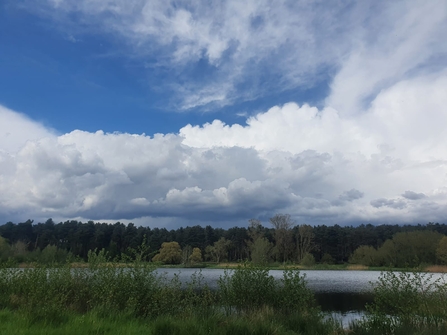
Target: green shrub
pixel 308 260
pixel 246 288
pixel 406 301
pixel 253 300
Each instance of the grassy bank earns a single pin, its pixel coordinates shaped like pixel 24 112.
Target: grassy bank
pixel 107 298
pixel 14 322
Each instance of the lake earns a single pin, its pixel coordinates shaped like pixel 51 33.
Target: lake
pixel 342 294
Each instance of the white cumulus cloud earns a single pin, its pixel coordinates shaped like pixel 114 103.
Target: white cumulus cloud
pixel 318 165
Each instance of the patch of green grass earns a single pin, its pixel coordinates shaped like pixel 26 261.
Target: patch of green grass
pixel 15 322
pixel 108 299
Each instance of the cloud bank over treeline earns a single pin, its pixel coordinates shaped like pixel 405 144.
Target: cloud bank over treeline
pixel 374 150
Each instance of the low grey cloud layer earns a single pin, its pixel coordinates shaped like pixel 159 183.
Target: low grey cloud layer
pixel 413 195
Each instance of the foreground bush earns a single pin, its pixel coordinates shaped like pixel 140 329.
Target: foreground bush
pixel 249 288
pixel 248 300
pixel 406 303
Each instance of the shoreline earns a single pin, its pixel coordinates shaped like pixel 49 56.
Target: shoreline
pixel 223 266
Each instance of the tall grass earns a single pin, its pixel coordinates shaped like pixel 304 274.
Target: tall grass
pixel 250 288
pixel 247 301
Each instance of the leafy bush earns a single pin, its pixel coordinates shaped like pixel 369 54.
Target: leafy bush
pixel 327 259
pixel 407 302
pixel 246 288
pixel 250 288
pixel 308 260
pixel 365 255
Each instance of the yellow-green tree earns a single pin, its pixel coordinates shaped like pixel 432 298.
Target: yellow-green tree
pixel 441 250
pixel 196 256
pixel 170 253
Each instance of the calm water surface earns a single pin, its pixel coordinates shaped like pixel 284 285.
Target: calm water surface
pixel 319 281
pixel 342 294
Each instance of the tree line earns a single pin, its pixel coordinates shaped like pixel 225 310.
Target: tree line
pixel 279 240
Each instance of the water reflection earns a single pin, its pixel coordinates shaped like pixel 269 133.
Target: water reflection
pixel 341 294
pixel 343 302
pixel 317 280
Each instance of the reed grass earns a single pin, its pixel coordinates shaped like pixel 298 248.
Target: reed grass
pixel 248 301
pixel 356 267
pixel 107 298
pixel 436 268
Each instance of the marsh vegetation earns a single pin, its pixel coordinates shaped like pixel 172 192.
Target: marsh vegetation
pixel 107 299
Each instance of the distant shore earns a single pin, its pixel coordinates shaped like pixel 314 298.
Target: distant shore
pixel 233 265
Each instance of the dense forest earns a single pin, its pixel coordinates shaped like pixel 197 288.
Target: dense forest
pixel 278 241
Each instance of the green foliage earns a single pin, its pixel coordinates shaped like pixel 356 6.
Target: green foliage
pixel 12 322
pixel 196 256
pixel 304 241
pixel 411 302
pixel 441 250
pixel 97 258
pixel 414 248
pixel 386 254
pixel 246 288
pixel 5 250
pixel 19 251
pixel 78 238
pixel 254 301
pixel 52 255
pixel 250 288
pixel 218 252
pixel 308 260
pixel 283 234
pixel 186 253
pixel 142 252
pixel 365 255
pixel 327 259
pixel 409 249
pixel 293 295
pixel 261 251
pixel 170 253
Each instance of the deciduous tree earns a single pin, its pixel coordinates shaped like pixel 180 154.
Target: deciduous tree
pixel 304 241
pixel 365 255
pixel 170 253
pixel 283 235
pixel 196 256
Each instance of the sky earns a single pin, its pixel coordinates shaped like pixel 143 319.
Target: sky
pixel 175 113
